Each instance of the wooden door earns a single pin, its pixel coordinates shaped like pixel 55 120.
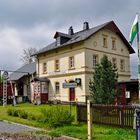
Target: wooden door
pixel 72 94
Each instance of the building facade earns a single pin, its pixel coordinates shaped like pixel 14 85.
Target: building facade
pixel 21 78
pixel 69 62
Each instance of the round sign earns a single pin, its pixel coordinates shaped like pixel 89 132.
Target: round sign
pixel 5 74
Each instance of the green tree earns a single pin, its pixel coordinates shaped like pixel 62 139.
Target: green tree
pixel 103 85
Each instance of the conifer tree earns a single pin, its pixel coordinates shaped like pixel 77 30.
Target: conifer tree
pixel 103 85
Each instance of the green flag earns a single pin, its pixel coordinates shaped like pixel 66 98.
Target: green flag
pixel 134 30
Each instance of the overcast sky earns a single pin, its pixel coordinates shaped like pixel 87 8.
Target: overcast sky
pixel 33 23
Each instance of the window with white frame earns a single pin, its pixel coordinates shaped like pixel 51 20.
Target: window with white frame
pixel 95 60
pixel 57 87
pixel 44 67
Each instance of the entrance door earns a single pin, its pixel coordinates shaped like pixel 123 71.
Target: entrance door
pixel 72 93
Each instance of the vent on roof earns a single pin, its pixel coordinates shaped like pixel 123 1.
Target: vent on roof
pixel 70 31
pixel 85 25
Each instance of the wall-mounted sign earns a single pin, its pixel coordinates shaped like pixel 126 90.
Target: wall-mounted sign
pixel 57 72
pixel 78 81
pixel 69 85
pixel 127 94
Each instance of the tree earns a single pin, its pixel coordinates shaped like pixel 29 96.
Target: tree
pixel 27 57
pixel 103 85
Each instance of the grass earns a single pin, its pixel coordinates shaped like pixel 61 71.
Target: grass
pixel 100 132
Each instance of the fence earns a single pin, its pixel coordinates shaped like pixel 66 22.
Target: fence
pixel 121 116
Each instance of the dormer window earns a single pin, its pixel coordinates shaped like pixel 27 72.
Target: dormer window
pixel 61 38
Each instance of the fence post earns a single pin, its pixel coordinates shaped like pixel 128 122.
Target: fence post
pixel 121 115
pixel 89 119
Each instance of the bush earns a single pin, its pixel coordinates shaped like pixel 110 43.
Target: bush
pixel 31 116
pixel 12 112
pixel 17 113
pixel 9 112
pixel 22 114
pixel 56 116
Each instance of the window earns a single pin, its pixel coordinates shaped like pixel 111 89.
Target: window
pixel 71 62
pixel 57 87
pixel 57 65
pixel 95 60
pixel 105 42
pixel 44 67
pixel 122 65
pixel 114 62
pixel 113 44
pixel 44 88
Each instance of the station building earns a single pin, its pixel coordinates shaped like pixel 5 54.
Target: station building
pixel 68 63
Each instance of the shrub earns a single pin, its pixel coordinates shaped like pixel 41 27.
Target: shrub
pixel 17 113
pixel 56 116
pixel 31 116
pixel 22 114
pixel 9 112
pixel 12 112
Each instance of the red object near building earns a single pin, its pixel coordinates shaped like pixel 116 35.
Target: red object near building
pixel 9 90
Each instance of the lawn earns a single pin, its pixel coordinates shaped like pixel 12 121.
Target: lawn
pixel 100 132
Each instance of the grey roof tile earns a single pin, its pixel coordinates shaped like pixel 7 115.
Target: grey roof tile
pixel 23 71
pixel 83 35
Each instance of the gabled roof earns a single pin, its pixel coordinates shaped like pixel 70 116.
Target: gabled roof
pixel 25 70
pixel 61 34
pixel 85 34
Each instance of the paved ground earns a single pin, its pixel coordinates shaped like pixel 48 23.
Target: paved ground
pixel 6 127
pixel 9 131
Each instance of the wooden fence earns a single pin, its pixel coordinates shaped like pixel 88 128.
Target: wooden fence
pixel 121 116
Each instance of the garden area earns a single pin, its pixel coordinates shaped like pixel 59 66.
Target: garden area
pixel 59 120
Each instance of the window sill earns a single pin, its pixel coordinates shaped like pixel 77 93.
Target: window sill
pixel 57 70
pixel 105 46
pixel 84 66
pixel 114 49
pixel 44 72
pixel 122 70
pixel 71 68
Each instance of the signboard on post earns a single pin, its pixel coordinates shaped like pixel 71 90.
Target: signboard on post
pixel 69 85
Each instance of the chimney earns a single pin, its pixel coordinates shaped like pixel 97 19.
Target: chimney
pixel 70 31
pixel 85 25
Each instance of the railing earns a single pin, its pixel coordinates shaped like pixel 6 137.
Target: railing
pixel 121 116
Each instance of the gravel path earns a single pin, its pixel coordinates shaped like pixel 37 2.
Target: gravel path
pixel 9 131
pixel 6 127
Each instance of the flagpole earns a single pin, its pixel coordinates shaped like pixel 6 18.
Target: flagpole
pixel 138 46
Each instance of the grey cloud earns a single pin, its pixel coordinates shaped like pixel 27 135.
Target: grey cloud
pixel 32 23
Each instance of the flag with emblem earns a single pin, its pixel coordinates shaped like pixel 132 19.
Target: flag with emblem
pixel 134 30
